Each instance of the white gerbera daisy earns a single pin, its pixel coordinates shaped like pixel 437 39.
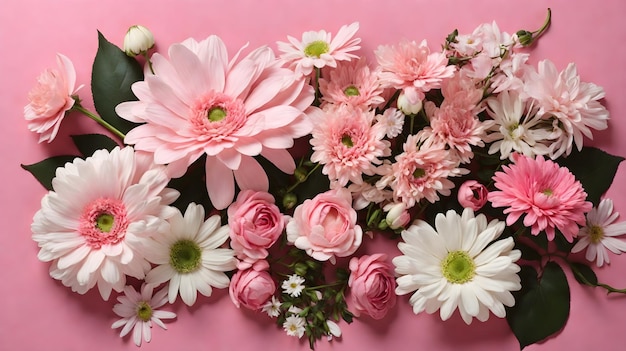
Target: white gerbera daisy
pixel 293 285
pixel 294 326
pixel 272 307
pixel 455 266
pixel 139 311
pixel 600 234
pixel 100 209
pixel 189 256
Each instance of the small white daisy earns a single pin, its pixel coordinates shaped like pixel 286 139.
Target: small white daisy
pixel 293 285
pixel 294 326
pixel 139 311
pixel 272 307
pixel 600 234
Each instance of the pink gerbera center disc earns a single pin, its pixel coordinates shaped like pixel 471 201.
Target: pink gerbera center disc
pixel 218 116
pixel 103 222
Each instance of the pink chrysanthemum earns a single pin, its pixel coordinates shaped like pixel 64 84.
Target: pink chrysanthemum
pixel 198 102
pixel 413 68
pixel 549 196
pixel 421 171
pixel 347 144
pixel 318 50
pixel 352 84
pixel 93 222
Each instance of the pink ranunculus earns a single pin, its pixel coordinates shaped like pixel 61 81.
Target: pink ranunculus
pixel 255 224
pixel 372 285
pixel 325 226
pixel 472 195
pixel 251 288
pixel 50 99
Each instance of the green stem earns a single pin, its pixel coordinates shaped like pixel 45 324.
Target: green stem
pixel 546 24
pixel 330 285
pixel 298 182
pixel 78 107
pixel 148 61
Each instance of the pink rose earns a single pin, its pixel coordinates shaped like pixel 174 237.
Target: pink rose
pixel 251 288
pixel 372 285
pixel 50 99
pixel 255 224
pixel 472 195
pixel 325 226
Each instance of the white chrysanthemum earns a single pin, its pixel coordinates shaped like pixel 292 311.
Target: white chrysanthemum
pixel 293 285
pixel 455 266
pixel 93 221
pixel 189 256
pixel 272 307
pixel 600 234
pixel 139 311
pixel 294 326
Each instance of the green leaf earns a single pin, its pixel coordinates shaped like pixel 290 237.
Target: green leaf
pixel 192 187
pixel 87 144
pixel 541 307
pixel 594 168
pixel 561 243
pixel 528 252
pixel 112 75
pixel 44 171
pixel 584 274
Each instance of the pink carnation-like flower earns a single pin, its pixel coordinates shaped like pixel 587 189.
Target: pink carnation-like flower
pixel 549 196
pixel 472 195
pixel 251 288
pixel 50 99
pixel 352 84
pixel 372 285
pixel 318 50
pixel 198 102
pixel 326 226
pixel 413 68
pixel 347 144
pixel 255 224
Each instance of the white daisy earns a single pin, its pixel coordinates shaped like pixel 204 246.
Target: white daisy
pixel 139 311
pixel 189 256
pixel 293 285
pixel 272 307
pixel 455 266
pixel 93 221
pixel 600 234
pixel 294 326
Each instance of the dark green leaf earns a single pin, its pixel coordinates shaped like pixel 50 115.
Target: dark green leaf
pixel 192 187
pixel 112 75
pixel 594 168
pixel 561 243
pixel 528 253
pixel 541 307
pixel 541 240
pixel 44 171
pixel 87 144
pixel 315 184
pixel 584 274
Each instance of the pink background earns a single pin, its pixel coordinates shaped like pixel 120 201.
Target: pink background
pixel 38 313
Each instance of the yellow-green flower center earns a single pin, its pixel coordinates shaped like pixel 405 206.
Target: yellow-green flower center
pixel 419 173
pixel 596 233
pixel 316 48
pixel 351 91
pixel 216 114
pixel 547 192
pixel 512 128
pixel 185 256
pixel 458 267
pixel 144 311
pixel 104 222
pixel 347 140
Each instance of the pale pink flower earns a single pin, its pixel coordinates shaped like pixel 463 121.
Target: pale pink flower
pixel 50 99
pixel 93 223
pixel 413 68
pixel 573 104
pixel 251 288
pixel 472 194
pixel 512 74
pixel 397 215
pixel 347 144
pixel 392 120
pixel 352 84
pixel 326 226
pixel 598 236
pixel 365 193
pixel 549 196
pixel 198 102
pixel 318 50
pixel 255 224
pixel 372 285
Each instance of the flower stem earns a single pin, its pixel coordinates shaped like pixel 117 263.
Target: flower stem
pixel 78 107
pixel 545 26
pixel 148 61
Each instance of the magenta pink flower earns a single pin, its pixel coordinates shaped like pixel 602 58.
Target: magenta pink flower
pixel 352 84
pixel 255 224
pixel 472 195
pixel 326 226
pixel 372 285
pixel 198 102
pixel 251 288
pixel 549 196
pixel 50 99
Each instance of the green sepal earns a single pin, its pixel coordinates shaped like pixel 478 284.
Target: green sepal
pixel 44 171
pixel 87 144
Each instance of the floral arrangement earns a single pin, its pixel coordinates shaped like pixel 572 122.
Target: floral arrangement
pixel 266 173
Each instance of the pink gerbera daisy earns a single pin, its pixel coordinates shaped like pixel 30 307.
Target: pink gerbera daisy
pixel 352 84
pixel 318 50
pixel 198 102
pixel 347 144
pixel 549 196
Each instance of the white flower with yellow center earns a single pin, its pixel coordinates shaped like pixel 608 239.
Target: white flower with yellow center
pixel 293 285
pixel 455 266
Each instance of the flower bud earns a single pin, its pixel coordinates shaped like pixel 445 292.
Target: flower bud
pixel 407 107
pixel 397 215
pixel 289 201
pixel 300 174
pixel 138 40
pixel 525 37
